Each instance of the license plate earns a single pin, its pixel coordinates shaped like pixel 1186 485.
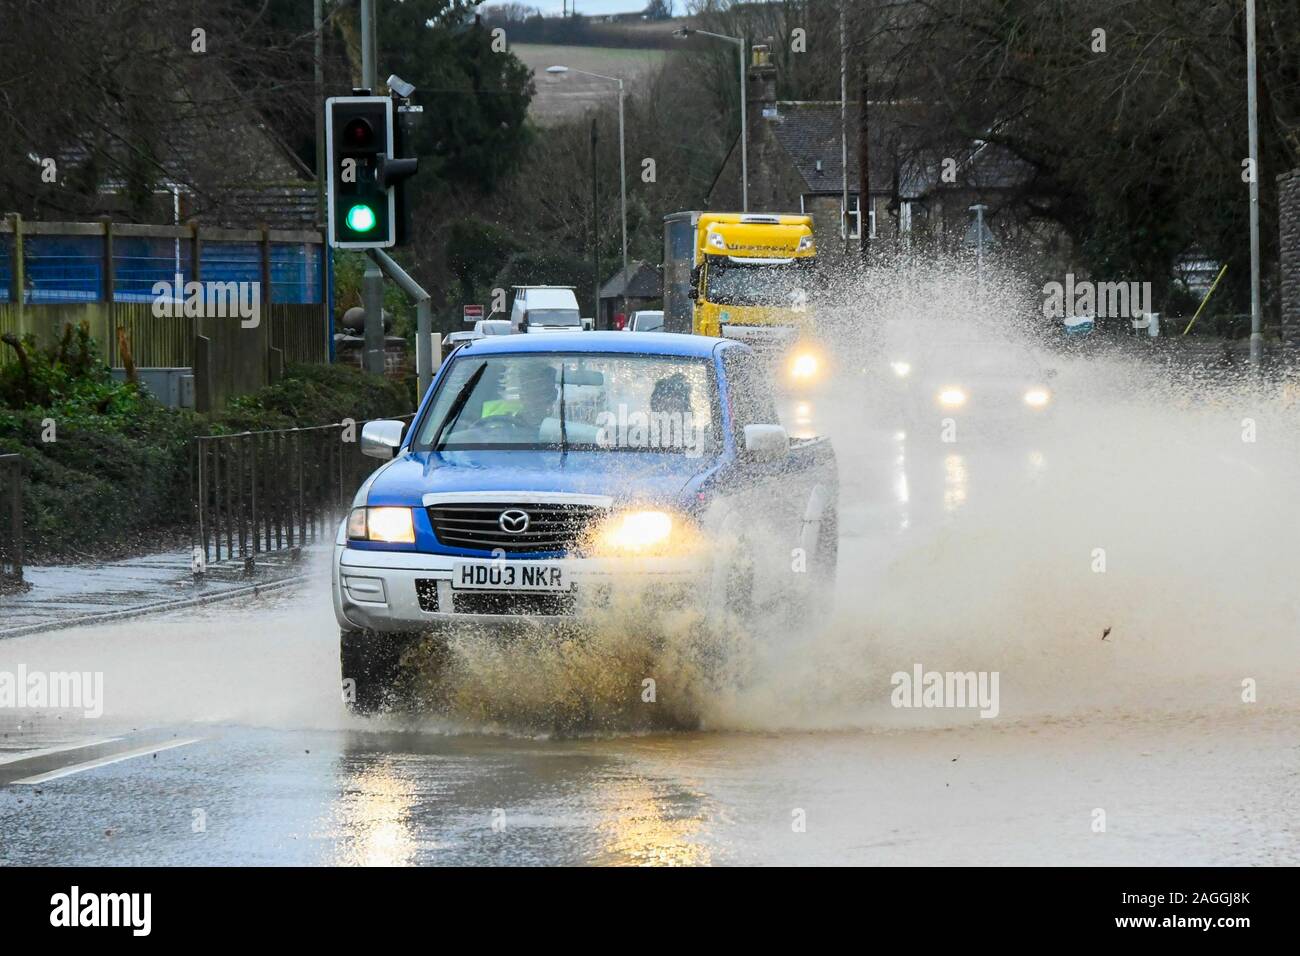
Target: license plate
pixel 508 576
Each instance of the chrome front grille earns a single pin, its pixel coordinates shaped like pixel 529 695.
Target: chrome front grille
pixel 476 526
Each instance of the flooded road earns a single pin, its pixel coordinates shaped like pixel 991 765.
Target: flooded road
pixel 1178 792
pixel 1145 711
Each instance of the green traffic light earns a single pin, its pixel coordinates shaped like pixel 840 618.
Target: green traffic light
pixel 361 218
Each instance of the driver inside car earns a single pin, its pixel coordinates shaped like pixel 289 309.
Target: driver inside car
pixel 536 402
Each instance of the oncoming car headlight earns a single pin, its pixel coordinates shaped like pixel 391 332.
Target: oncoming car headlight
pixel 901 369
pixel 952 397
pixel 805 366
pixel 388 525
pixel 642 533
pixel 1037 397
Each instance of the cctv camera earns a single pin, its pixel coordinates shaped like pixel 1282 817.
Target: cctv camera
pixel 400 86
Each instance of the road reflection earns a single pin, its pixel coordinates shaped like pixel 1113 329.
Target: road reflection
pixel 374 811
pixel 642 828
pixel 428 798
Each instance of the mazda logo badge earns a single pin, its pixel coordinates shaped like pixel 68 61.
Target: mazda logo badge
pixel 513 521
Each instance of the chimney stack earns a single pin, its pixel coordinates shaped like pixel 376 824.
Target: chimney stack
pixel 760 90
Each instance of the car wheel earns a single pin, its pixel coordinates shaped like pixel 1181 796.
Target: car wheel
pixel 828 545
pixel 825 561
pixel 731 600
pixel 369 662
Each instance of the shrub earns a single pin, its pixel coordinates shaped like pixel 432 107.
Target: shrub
pixel 115 477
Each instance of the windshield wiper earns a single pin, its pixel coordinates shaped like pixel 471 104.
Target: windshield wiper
pixel 457 405
pixel 564 434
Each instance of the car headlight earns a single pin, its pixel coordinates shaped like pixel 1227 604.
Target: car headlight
pixel 642 533
pixel 1037 397
pixel 805 244
pixel 952 397
pixel 716 241
pixel 388 525
pixel 901 369
pixel 805 366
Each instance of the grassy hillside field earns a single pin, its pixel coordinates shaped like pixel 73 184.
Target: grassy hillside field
pixel 569 95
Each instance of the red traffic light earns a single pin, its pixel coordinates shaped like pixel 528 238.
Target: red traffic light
pixel 358 133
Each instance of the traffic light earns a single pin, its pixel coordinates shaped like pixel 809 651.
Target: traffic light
pixel 363 173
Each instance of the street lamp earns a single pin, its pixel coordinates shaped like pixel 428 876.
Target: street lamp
pixel 744 137
pixel 622 166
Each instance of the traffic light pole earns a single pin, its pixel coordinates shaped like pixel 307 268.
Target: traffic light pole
pixel 373 280
pixel 424 344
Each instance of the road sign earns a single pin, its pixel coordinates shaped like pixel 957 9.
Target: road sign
pixel 473 313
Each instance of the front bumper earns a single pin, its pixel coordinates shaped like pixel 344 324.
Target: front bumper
pixel 402 591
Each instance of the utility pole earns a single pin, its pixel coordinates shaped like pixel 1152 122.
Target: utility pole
pixel 560 69
pixel 322 177
pixel 622 179
pixel 864 157
pixel 979 209
pixel 1256 319
pixel 595 232
pixel 744 128
pixel 373 280
pixel 844 134
pixel 379 262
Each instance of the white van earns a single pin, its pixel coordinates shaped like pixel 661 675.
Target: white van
pixel 545 308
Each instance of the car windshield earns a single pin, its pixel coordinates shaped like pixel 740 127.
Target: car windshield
pixel 613 402
pixel 554 317
pixel 649 321
pixel 781 286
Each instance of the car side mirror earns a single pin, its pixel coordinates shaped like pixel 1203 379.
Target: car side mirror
pixel 693 294
pixel 381 439
pixel 766 442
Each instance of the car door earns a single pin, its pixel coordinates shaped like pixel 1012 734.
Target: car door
pixel 773 494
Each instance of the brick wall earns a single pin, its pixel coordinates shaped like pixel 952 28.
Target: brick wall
pixel 1288 202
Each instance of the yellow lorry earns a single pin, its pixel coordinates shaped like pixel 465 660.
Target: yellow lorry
pixel 744 276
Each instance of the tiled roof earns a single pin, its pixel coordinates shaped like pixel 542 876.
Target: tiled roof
pixel 809 132
pixel 646 282
pixel 230 166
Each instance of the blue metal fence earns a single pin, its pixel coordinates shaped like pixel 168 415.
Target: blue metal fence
pixel 6 266
pixel 139 262
pixel 63 268
pixel 295 272
pixel 71 268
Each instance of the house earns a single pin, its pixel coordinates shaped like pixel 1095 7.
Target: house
pixel 643 288
pixel 797 164
pixel 220 165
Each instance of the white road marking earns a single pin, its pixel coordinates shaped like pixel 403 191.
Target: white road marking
pixel 105 761
pixel 62 748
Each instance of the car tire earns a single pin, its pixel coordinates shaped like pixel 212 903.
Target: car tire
pixel 827 556
pixel 825 562
pixel 731 598
pixel 369 662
